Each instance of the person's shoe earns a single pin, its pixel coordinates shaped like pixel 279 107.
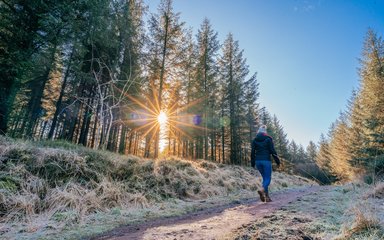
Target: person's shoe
pixel 267 198
pixel 262 195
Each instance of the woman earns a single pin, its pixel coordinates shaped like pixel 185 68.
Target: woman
pixel 262 149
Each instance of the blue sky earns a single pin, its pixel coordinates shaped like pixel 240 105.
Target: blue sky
pixel 305 52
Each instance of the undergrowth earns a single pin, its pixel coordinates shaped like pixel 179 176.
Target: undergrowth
pixel 64 183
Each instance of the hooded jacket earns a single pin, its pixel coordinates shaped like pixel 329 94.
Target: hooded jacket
pixel 262 149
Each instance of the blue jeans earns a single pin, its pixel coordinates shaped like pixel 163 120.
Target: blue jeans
pixel 265 169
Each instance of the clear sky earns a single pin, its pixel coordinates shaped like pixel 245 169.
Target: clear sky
pixel 305 52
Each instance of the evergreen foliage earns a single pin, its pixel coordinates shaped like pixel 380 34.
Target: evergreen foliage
pixel 356 142
pixel 92 72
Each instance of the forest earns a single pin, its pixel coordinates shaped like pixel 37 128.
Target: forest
pixel 100 73
pixel 355 141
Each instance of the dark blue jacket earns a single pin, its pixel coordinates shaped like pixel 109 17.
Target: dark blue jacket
pixel 262 149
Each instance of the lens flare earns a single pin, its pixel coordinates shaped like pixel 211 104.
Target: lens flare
pixel 155 122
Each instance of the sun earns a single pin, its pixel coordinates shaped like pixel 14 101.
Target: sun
pixel 157 124
pixel 162 118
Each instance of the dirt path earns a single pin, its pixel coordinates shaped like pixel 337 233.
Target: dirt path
pixel 213 223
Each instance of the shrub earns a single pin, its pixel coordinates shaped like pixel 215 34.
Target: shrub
pixel 312 171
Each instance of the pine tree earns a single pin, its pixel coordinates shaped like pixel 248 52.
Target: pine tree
pixel 165 53
pixel 357 138
pixel 130 25
pixel 233 69
pixel 293 149
pixel 280 138
pixel 312 151
pixel 338 147
pixel 206 75
pixel 188 103
pixel 323 158
pixel 251 118
pixel 371 98
pixel 30 31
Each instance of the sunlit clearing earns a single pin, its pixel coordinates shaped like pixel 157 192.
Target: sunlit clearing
pixel 162 118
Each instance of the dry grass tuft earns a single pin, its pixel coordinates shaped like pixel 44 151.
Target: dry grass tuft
pixel 111 194
pixel 138 200
pixel 72 197
pixel 365 224
pixel 20 206
pixel 364 221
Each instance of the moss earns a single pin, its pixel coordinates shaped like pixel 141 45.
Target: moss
pixel 9 183
pixel 10 186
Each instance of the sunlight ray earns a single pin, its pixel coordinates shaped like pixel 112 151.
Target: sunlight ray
pixel 185 106
pixel 189 137
pixel 141 120
pixel 189 125
pixel 154 126
pixel 163 123
pixel 156 98
pixel 143 105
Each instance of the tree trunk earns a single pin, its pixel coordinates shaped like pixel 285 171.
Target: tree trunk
pixel 60 100
pixel 94 130
pixel 123 140
pixel 34 105
pixel 147 148
pixel 83 139
pixel 222 137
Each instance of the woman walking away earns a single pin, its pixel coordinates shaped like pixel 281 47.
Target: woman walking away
pixel 262 149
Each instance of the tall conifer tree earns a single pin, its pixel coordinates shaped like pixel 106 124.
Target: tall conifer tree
pixel 165 54
pixel 233 69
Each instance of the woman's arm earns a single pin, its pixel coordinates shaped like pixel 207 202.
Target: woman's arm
pixel 253 154
pixel 273 152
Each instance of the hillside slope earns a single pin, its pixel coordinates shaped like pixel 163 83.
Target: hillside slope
pixel 50 189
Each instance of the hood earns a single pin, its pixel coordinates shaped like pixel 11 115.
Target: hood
pixel 260 137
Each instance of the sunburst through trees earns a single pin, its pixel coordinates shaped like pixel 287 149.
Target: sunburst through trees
pixel 158 125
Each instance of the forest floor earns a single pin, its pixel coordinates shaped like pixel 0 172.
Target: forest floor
pixel 317 212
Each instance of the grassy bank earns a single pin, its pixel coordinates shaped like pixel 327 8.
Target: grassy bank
pixel 50 189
